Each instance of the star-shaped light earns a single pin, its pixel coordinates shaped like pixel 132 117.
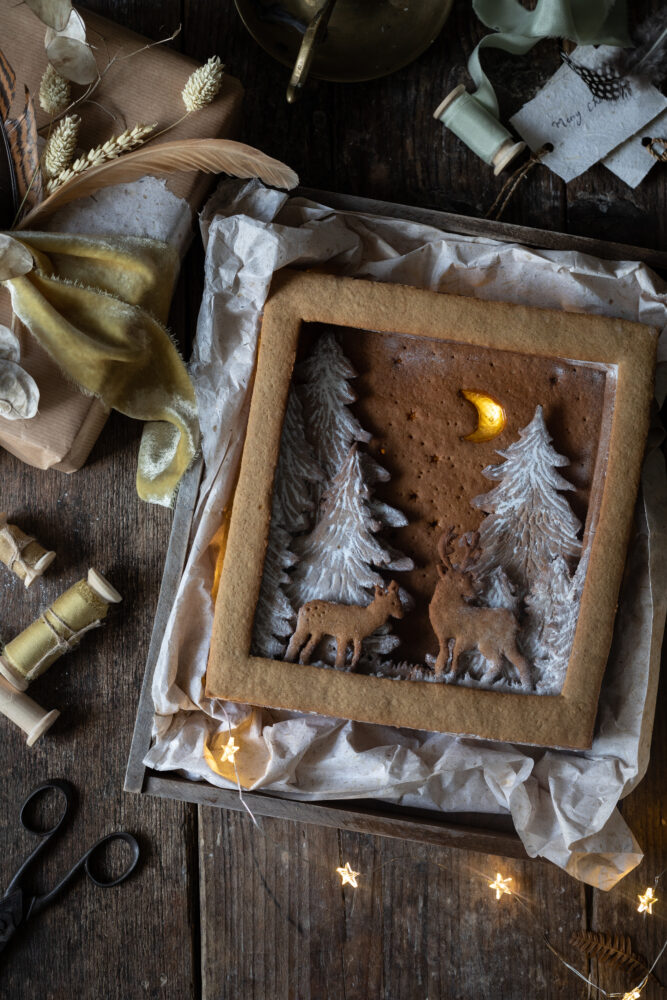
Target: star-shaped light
pixel 229 750
pixel 647 901
pixel 347 876
pixel 500 885
pixel 632 995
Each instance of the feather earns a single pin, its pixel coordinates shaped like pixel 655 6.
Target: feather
pixel 22 136
pixel 7 86
pixel 649 57
pixel 7 91
pixel 208 155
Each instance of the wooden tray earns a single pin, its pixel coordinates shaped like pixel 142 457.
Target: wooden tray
pixel 489 834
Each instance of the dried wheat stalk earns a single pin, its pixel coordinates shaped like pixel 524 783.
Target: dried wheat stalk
pixel 54 91
pixel 60 146
pixel 110 150
pixel 203 85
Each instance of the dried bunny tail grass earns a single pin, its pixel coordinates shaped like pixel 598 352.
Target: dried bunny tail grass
pixel 114 147
pixel 54 91
pixel 60 146
pixel 203 84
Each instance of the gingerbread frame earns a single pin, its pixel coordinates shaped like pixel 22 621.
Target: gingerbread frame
pixel 564 720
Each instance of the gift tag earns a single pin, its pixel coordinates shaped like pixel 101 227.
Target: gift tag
pixel 631 161
pixel 585 115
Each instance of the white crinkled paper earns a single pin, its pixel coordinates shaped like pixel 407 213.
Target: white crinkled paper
pixel 563 804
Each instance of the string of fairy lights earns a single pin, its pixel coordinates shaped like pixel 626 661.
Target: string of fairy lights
pixel 501 885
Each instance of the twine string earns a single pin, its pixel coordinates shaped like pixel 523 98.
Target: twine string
pixel 16 547
pixel 63 643
pixel 513 181
pixel 651 144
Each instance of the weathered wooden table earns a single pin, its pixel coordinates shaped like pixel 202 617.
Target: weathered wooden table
pixel 218 909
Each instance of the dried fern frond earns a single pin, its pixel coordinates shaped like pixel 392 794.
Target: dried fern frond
pixel 211 156
pixel 60 146
pixel 110 150
pixel 203 85
pixel 54 91
pixel 611 949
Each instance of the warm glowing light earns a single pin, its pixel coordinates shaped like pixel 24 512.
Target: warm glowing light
pixel 347 876
pixel 229 750
pixel 500 885
pixel 647 901
pixel 491 417
pixel 632 995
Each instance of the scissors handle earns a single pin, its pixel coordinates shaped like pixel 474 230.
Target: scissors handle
pixel 32 905
pixel 45 835
pixel 84 863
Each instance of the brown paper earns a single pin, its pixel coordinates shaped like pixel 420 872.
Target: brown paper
pixel 145 88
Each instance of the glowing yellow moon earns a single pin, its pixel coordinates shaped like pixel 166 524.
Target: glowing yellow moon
pixel 491 417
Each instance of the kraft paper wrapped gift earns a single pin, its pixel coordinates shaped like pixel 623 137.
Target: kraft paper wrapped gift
pixel 145 88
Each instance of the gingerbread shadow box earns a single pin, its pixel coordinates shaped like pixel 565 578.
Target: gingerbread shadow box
pixel 430 524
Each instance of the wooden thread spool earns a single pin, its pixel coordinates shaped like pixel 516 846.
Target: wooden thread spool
pixel 22 553
pixel 24 712
pixel 478 128
pixel 57 630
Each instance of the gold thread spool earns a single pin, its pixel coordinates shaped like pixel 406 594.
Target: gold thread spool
pixel 57 630
pixel 24 712
pixel 463 115
pixel 22 553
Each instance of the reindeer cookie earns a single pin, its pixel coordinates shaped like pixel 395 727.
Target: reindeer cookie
pixel 347 623
pixel 490 630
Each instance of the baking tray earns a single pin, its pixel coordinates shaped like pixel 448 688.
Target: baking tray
pixel 488 834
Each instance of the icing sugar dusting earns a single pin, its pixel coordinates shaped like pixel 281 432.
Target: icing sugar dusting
pixel 336 559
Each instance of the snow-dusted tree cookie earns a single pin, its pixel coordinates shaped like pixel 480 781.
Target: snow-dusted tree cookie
pixel 325 393
pixel 274 615
pixel 529 523
pixel 339 558
pixel 530 533
pixel 297 472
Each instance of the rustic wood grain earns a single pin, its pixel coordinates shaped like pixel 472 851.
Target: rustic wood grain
pixel 422 923
pixel 274 919
pixel 95 942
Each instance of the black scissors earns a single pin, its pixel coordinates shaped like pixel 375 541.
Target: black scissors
pixel 17 906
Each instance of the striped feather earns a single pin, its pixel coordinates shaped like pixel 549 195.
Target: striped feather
pixel 22 136
pixel 7 86
pixel 7 91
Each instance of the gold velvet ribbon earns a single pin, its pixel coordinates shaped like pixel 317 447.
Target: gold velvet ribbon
pixel 97 305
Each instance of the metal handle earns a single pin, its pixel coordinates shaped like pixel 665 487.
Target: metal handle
pixel 83 863
pixel 313 36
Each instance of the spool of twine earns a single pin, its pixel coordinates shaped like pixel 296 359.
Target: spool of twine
pixel 22 553
pixel 24 712
pixel 474 125
pixel 59 629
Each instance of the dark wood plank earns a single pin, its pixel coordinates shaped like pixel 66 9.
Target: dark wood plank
pixel 616 912
pixel 95 942
pixel 423 921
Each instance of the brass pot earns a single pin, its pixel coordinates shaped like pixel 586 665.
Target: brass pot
pixel 343 40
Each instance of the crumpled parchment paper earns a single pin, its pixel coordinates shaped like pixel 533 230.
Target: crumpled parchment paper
pixel 563 804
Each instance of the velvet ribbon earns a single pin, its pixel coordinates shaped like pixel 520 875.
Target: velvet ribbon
pixel 97 305
pixel 474 117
